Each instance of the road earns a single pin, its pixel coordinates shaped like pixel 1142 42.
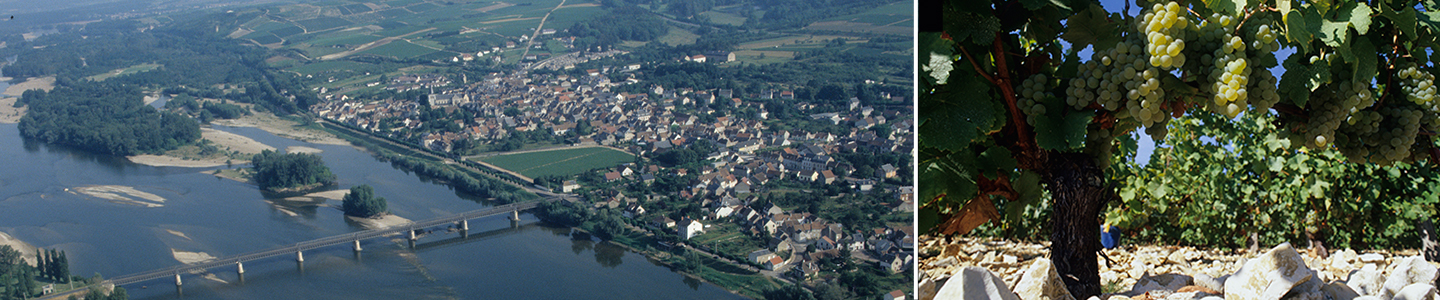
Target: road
pixel 536 35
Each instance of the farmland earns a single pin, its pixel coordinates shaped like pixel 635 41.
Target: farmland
pixel 559 162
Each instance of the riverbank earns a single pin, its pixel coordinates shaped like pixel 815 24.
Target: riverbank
pixel 9 114
pixel 633 243
pixel 284 128
pixel 44 83
pixel 27 251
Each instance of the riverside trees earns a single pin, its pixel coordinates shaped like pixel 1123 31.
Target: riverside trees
pixel 1009 112
pixel 361 202
pixel 276 171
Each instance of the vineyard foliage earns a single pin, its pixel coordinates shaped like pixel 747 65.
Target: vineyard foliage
pixel 1335 144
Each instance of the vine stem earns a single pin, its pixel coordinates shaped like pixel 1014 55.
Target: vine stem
pixel 977 66
pixel 1002 79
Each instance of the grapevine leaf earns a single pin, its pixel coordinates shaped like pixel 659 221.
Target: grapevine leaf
pixel 963 111
pixel 1284 6
pixel 1295 30
pixel 1404 20
pixel 1091 26
pixel 1157 190
pixel 1044 25
pixel 1359 17
pixel 1034 4
pixel 928 217
pixel 1229 7
pixel 1293 81
pixel 1365 59
pixel 975 28
pixel 943 177
pixel 1430 19
pixel 1061 133
pixel 1333 33
pixel 1028 186
pixel 1276 165
pixel 1314 22
pixel 995 159
pixel 1321 6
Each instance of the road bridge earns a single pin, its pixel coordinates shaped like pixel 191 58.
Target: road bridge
pixel 298 249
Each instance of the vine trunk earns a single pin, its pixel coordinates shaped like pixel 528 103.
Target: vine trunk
pixel 1079 189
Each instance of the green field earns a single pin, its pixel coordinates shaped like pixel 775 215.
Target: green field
pixel 400 49
pixel 559 162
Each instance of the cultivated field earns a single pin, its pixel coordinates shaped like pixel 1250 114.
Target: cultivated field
pixel 563 162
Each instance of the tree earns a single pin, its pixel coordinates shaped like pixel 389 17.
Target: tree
pixel 1009 113
pixel 788 292
pixel 361 202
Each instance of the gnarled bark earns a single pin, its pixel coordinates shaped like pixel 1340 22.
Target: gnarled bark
pixel 1080 192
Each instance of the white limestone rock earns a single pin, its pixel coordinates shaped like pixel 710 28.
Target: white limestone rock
pixel 1418 291
pixel 1208 282
pixel 1367 282
pixel 1308 290
pixel 926 289
pixel 1339 291
pixel 1042 282
pixel 1409 270
pixel 1371 257
pixel 975 283
pixel 1269 276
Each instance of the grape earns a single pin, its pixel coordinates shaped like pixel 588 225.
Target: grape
pixel 1164 28
pixel 1032 93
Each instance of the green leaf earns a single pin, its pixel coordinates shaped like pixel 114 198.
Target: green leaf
pixel 1404 19
pixel 944 177
pixel 1034 4
pixel 1028 186
pixel 979 29
pixel 1157 190
pixel 1321 6
pixel 959 113
pixel 1229 7
pixel 1333 33
pixel 928 218
pixel 1091 26
pixel 1062 133
pixel 1359 17
pixel 995 159
pixel 1429 19
pixel 1365 59
pixel 1296 30
pixel 1293 83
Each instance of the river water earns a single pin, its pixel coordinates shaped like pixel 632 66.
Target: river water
pixel 528 260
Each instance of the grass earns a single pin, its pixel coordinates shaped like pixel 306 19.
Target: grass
pixel 563 162
pixel 678 36
pixel 399 49
pixel 724 18
pixel 356 39
pixel 319 67
pixel 125 71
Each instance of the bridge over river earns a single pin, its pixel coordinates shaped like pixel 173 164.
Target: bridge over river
pixel 298 250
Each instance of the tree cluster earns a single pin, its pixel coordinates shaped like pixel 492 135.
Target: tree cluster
pixel 105 118
pixel 53 265
pixel 361 202
pixel 17 279
pixel 562 212
pixel 277 171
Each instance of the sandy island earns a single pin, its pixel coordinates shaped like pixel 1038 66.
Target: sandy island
pixel 187 257
pixel 120 194
pixel 382 222
pixel 223 139
pixel 10 114
pixel 302 149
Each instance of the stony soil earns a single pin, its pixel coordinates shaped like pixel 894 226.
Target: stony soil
pixel 1132 269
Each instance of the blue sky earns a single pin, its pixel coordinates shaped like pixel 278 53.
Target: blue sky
pixel 1146 145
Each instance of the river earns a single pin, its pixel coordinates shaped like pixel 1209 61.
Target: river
pixel 222 217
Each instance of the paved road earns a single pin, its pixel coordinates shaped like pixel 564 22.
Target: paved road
pixel 536 35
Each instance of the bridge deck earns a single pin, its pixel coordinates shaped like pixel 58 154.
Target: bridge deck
pixel 311 244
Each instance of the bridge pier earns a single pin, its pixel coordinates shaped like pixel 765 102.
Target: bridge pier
pixel 178 283
pixel 357 245
pixel 515 215
pixel 464 225
pixel 299 256
pixel 240 268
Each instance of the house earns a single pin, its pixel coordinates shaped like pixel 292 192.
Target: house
pixel 889 170
pixel 760 256
pixel 895 295
pixel 612 176
pixel 662 222
pixel 774 263
pixel 829 176
pixel 634 210
pixel 569 186
pixel 894 263
pixel 690 228
pixel 699 58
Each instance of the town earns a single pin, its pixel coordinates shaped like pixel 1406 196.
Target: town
pixel 734 190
